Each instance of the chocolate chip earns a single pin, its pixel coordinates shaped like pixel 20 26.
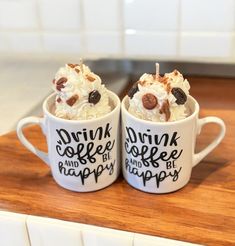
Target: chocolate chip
pixel 60 83
pixel 179 94
pixel 133 90
pixel 149 101
pixel 72 100
pixel 90 78
pixel 165 109
pixel 94 97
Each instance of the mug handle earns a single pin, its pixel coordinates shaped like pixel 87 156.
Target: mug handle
pixel 27 121
pixel 201 122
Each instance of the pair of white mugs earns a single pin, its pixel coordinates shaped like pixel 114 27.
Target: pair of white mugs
pixel 86 155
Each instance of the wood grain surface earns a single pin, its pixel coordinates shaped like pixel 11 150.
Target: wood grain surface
pixel 201 212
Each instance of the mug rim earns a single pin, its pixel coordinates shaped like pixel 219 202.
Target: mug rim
pixel 112 96
pixel 157 123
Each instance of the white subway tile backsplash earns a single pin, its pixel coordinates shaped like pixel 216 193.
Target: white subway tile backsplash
pixel 233 52
pixel 3 42
pixel 13 231
pixel 98 236
pixel 151 15
pixel 60 14
pixel 103 43
pixel 206 45
pixel 148 44
pixel 120 29
pixel 62 43
pixel 49 232
pixel 208 15
pixel 18 14
pixel 24 42
pixel 102 15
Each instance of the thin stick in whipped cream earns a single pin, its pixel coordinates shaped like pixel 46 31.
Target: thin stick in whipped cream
pixel 81 64
pixel 157 69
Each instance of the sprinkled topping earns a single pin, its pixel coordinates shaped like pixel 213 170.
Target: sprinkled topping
pixel 179 94
pixel 163 80
pixel 94 97
pixel 149 101
pixel 141 82
pixel 133 90
pixel 60 83
pixel 165 109
pixel 90 78
pixel 168 88
pixel 77 70
pixel 72 100
pixel 72 65
pixel 176 72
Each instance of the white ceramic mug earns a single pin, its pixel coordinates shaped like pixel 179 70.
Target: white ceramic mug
pixel 158 157
pixel 83 155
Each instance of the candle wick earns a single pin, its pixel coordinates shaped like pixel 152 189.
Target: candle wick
pixel 81 64
pixel 157 69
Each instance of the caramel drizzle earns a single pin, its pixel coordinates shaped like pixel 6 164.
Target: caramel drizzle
pixel 165 109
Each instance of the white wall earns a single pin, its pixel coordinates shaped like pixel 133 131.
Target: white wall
pixel 170 30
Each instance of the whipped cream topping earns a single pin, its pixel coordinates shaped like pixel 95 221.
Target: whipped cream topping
pixel 80 93
pixel 159 98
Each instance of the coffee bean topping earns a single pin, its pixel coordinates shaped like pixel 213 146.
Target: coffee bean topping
pixel 165 109
pixel 94 97
pixel 179 94
pixel 149 101
pixel 133 90
pixel 60 83
pixel 72 100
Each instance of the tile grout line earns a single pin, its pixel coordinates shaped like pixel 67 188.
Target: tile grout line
pixel 27 230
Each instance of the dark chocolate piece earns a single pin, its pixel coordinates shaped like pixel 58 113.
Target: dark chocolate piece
pixel 72 100
pixel 60 83
pixel 90 78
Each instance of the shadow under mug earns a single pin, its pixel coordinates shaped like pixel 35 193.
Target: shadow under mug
pixel 83 155
pixel 158 157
